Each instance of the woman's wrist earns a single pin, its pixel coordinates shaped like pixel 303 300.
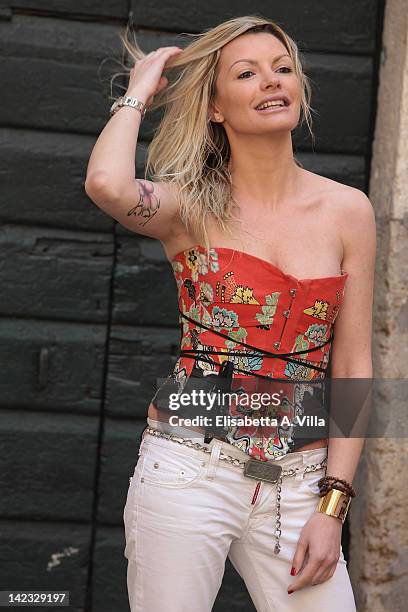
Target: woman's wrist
pixel 334 519
pixel 326 483
pixel 335 503
pixel 140 94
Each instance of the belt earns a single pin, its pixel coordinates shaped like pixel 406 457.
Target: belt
pixel 266 471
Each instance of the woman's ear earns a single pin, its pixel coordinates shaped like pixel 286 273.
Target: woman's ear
pixel 214 114
pixel 210 114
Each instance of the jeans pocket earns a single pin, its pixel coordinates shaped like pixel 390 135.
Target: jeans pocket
pixel 168 467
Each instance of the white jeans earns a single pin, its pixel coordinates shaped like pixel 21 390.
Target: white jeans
pixel 186 511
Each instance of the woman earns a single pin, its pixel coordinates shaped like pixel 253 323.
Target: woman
pixel 266 257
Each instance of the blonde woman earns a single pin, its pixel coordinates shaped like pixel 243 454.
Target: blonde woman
pixel 267 256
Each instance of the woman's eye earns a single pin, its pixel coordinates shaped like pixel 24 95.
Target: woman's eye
pixel 246 72
pixel 250 71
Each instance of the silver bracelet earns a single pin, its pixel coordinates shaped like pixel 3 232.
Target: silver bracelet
pixel 128 101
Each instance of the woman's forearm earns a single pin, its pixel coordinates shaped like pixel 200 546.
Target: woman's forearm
pixel 343 457
pixel 112 163
pixel 344 452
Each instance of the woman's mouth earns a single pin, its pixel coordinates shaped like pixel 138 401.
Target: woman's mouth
pixel 272 106
pixel 272 109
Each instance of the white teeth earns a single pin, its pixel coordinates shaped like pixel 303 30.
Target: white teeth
pixel 274 103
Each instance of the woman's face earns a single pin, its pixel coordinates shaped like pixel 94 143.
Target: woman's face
pixel 251 68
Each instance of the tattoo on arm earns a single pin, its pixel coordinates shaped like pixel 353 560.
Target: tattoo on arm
pixel 148 203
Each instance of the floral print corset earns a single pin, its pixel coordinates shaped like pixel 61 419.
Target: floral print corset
pixel 240 300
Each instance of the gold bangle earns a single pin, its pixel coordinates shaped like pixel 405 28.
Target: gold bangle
pixel 335 503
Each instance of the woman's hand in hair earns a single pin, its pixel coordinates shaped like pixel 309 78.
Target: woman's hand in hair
pixel 146 78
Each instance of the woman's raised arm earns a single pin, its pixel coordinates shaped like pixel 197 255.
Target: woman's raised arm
pixel 142 206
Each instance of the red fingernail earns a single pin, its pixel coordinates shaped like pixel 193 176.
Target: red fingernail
pixel 293 571
pixel 289 592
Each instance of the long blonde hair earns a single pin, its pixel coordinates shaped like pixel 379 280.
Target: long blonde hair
pixel 189 150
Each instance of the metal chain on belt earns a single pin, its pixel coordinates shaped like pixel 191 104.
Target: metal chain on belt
pixel 241 464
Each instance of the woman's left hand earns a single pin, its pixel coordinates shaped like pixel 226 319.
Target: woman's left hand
pixel 320 540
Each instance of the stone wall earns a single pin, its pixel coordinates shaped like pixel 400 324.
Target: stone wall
pixel 379 517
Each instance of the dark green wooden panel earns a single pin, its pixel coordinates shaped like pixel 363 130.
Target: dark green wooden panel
pixel 83 9
pixel 47 464
pixel 329 26
pixel 43 180
pixel 66 68
pixel 108 586
pixel 59 365
pixel 55 274
pixel 45 555
pixel 144 291
pixel 139 358
pixel 119 454
pixel 347 169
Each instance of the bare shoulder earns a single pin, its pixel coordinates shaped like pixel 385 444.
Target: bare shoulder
pixel 354 213
pixel 351 213
pixel 354 216
pixel 350 206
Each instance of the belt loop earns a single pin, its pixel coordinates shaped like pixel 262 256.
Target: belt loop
pixel 300 474
pixel 300 466
pixel 141 444
pixel 213 461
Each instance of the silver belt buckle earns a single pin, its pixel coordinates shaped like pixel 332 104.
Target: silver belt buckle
pixel 262 470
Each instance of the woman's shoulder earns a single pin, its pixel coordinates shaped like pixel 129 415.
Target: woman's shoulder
pixel 341 198
pixel 351 212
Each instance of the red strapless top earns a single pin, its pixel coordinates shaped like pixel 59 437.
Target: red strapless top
pixel 240 300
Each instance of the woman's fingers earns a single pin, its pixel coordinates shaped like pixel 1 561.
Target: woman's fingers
pixel 162 84
pixel 299 556
pixel 305 576
pixel 318 569
pixel 325 571
pixel 146 75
